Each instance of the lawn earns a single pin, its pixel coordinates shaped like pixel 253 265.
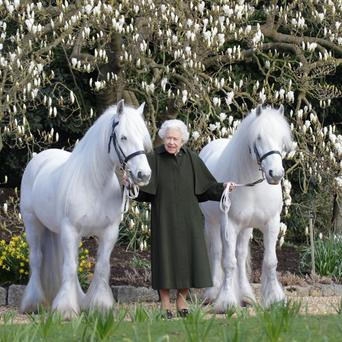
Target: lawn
pixel 280 323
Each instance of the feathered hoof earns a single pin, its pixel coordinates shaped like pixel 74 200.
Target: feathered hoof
pixel 248 299
pixel 32 301
pixel 223 303
pixel 68 314
pixel 210 295
pixel 98 298
pixel 100 307
pixel 65 309
pixel 272 294
pixel 31 307
pixel 267 302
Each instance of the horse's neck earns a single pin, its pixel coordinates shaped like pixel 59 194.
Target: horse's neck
pixel 237 163
pixel 97 169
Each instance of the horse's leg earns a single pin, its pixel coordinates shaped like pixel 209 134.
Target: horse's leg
pixel 34 294
pixel 66 301
pixel 228 295
pixel 99 295
pixel 214 246
pixel 242 255
pixel 271 290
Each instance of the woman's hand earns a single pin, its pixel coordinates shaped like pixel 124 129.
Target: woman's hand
pixel 231 186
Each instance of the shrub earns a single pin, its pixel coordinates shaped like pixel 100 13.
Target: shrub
pixel 327 257
pixel 135 230
pixel 14 262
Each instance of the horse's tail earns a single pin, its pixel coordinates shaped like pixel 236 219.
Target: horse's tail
pixel 52 262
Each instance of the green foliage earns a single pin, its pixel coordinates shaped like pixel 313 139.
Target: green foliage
pixel 140 314
pixel 197 325
pixel 135 228
pixel 138 262
pixel 328 253
pixel 278 323
pixel 14 262
pixel 277 319
pixel 102 326
pixel 45 322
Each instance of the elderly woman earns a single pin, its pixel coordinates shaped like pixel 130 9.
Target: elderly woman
pixel 180 180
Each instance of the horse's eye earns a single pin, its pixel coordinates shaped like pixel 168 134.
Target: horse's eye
pixel 259 137
pixel 123 138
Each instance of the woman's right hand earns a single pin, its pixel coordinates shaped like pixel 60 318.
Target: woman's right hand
pixel 231 186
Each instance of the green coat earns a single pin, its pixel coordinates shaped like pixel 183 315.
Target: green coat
pixel 178 250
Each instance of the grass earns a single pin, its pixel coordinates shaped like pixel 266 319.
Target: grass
pixel 281 322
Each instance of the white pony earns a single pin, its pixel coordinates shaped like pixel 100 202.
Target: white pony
pixel 65 196
pixel 254 151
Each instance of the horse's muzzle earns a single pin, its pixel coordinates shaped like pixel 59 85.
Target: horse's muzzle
pixel 142 178
pixel 274 178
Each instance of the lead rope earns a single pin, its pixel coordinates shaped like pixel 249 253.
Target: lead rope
pixel 130 191
pixel 225 202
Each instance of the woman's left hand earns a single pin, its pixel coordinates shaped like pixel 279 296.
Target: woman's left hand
pixel 231 186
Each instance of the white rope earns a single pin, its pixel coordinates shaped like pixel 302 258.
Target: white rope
pixel 225 202
pixel 130 191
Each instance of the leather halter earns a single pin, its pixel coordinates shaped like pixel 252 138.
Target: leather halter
pixel 123 159
pixel 260 159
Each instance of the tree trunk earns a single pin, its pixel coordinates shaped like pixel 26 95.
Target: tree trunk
pixel 337 215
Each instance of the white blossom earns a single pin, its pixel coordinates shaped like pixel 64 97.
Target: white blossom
pixel 212 127
pixel 216 101
pixel 222 116
pixel 195 135
pixel 229 98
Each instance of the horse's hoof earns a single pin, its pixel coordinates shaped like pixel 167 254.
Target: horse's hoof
pixel 207 301
pixel 68 315
pixel 248 301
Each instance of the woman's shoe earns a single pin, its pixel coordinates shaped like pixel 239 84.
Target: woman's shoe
pixel 183 313
pixel 167 314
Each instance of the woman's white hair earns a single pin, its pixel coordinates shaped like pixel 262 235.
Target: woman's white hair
pixel 177 124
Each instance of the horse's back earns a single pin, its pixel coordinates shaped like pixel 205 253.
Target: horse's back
pixel 39 181
pixel 48 159
pixel 211 152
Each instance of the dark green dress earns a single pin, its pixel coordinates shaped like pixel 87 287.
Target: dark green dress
pixel 178 251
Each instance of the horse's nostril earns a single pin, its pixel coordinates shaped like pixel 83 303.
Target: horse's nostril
pixel 143 177
pixel 270 173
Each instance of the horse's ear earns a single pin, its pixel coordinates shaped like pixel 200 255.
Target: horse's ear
pixel 258 110
pixel 281 110
pixel 141 109
pixel 120 107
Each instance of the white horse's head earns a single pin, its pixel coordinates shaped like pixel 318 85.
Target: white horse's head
pixel 129 140
pixel 270 137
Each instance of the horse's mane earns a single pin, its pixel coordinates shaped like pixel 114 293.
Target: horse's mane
pixel 269 123
pixel 90 161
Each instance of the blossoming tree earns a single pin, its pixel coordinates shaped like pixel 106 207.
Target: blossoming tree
pixel 207 62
